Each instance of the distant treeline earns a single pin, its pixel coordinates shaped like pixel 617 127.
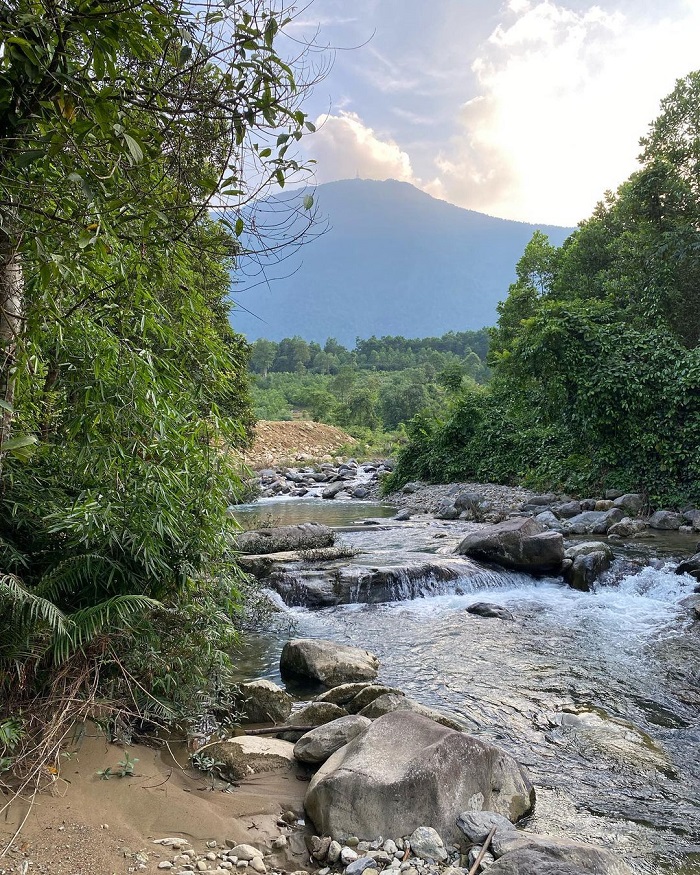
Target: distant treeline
pixel 378 386
pixel 296 355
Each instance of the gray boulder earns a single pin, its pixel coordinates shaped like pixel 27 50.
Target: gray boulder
pixel 549 520
pixel 397 701
pixel 447 511
pixel 526 854
pixel 403 515
pixel 666 520
pixel 262 701
pixel 426 843
pixel 314 714
pixel 343 693
pixel 587 547
pixel 632 503
pixel 627 527
pixel 318 744
pixel 405 771
pixel 306 536
pixel 586 568
pixel 593 522
pixel 327 662
pixel 567 509
pixel 476 825
pixel 486 609
pixel 692 517
pixel 333 490
pixel 690 566
pixel 469 503
pixel 519 543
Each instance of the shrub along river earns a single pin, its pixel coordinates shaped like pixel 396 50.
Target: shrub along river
pixel 597 694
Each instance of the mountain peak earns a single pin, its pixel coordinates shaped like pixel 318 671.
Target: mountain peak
pixel 393 260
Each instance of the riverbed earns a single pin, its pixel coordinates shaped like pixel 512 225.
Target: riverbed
pixel 597 694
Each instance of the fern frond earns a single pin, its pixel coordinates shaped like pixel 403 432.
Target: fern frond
pixel 84 625
pixel 28 607
pixel 75 573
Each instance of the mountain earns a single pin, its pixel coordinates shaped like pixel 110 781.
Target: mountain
pixel 393 260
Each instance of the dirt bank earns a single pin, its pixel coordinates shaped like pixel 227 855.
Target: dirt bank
pixel 88 826
pixel 283 443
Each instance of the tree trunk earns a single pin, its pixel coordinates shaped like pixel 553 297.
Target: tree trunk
pixel 11 306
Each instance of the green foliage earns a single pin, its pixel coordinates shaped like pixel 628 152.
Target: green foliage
pixel 120 129
pixel 125 768
pixel 596 358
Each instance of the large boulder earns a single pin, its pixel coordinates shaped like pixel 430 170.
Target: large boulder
pixel 312 715
pixel 262 701
pixel 666 520
pixel 327 662
pixel 251 754
pixel 588 561
pixel 594 522
pixel 406 771
pixel 318 744
pixel 520 543
pixel 397 701
pixel 278 539
pixel 525 854
pixel 627 527
pixel 690 566
pixel 632 503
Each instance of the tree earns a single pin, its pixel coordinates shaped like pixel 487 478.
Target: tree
pixel 124 124
pixel 262 355
pixel 121 127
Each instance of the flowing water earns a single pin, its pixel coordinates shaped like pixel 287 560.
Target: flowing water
pixel 597 694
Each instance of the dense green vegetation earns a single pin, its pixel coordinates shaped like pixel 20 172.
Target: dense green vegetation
pixel 375 387
pixel 121 381
pixel 595 357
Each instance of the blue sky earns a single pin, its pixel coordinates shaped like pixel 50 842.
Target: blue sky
pixel 525 109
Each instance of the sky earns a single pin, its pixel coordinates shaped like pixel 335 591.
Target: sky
pixel 522 109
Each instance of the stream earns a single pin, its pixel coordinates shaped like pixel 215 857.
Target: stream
pixel 597 694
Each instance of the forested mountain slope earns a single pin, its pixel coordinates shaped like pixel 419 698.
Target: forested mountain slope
pixel 393 260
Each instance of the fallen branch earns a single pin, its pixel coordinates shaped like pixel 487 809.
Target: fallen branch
pixel 483 850
pixel 271 730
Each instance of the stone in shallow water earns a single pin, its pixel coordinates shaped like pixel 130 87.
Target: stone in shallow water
pixel 486 609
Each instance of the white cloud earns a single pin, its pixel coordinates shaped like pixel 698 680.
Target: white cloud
pixel 565 96
pixel 345 147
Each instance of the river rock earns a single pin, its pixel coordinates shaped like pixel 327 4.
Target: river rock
pixel 586 568
pixel 627 527
pixel 469 503
pixel 666 520
pixel 403 515
pixel 358 866
pixel 486 609
pixel 427 844
pixel 447 511
pixel 692 517
pixel 593 522
pixel 525 854
pixel 314 714
pixel 278 539
pixel 690 566
pixel 343 693
pixel 476 825
pixel 631 502
pixel 327 662
pixel 251 754
pixel 333 490
pixel 391 702
pixel 405 771
pixel 549 520
pixel 262 701
pixel 519 543
pixel 367 696
pixel 318 744
pixel 567 509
